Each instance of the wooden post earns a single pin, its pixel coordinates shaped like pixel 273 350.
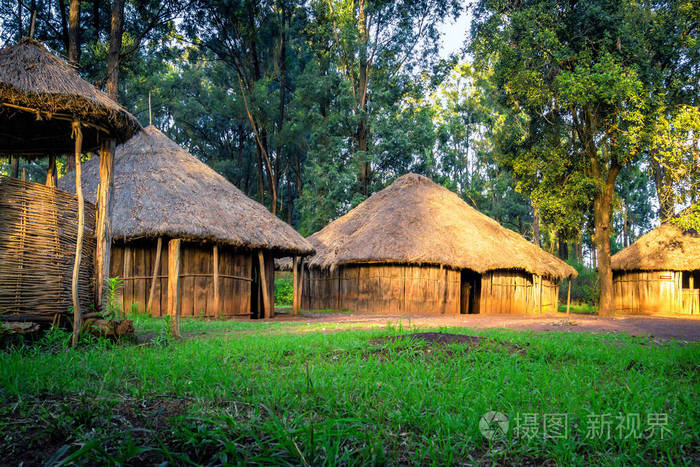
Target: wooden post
pixel 51 172
pixel 174 286
pixel 103 229
pixel 77 317
pixel 541 281
pixel 24 174
pixel 568 299
pixel 295 286
pixel 217 293
pixel 267 307
pixel 154 277
pixel 300 283
pixel 14 167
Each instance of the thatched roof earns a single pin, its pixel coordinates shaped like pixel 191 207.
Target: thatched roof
pixel 39 96
pixel 416 221
pixel 666 247
pixel 162 190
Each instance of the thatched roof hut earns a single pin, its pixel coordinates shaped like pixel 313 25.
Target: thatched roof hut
pixel 163 192
pixel 47 110
pixel 39 93
pixel 420 225
pixel 659 273
pixel 416 221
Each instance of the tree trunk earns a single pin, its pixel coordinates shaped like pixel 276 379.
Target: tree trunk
pixel 563 249
pixel 535 225
pixel 664 190
pixel 602 216
pixel 74 32
pixel 115 47
pixel 64 23
pixel 20 32
pixel 14 167
pixel 362 134
pixel 96 18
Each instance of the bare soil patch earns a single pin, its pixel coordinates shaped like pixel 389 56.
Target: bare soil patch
pixel 442 343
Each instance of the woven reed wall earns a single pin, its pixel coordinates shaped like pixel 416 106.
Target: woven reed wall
pixel 656 292
pixel 133 262
pixel 38 230
pixel 386 288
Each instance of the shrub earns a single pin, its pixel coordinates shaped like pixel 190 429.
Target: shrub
pixel 284 289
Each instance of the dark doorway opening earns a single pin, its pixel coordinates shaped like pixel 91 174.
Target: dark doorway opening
pixel 470 292
pixel 255 292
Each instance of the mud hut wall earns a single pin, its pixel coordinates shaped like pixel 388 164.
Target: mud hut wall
pixel 649 292
pixel 383 288
pixel 133 263
pixel 38 231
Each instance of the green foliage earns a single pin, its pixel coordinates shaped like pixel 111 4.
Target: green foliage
pixel 113 310
pixel 584 288
pixel 284 289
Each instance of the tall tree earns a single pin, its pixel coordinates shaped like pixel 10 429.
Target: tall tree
pixel 573 70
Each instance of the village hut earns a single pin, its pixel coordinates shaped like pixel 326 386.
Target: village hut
pixel 416 247
pixel 659 273
pixel 48 247
pixel 165 196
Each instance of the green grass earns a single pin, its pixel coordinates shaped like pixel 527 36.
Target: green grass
pixel 273 395
pixel 580 309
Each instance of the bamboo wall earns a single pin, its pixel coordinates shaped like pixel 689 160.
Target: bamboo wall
pixel 238 276
pixel 399 289
pixel 38 233
pixel 508 292
pixel 383 288
pixel 656 292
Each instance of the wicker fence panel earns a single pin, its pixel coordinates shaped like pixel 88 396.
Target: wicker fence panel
pixel 38 230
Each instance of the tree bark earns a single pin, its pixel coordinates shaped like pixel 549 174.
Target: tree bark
pixel 115 47
pixel 96 18
pixel 20 31
pixel 14 167
pixel 563 249
pixel 77 317
pixel 535 225
pixel 103 229
pixel 74 33
pixel 664 190
pixel 64 23
pixel 602 216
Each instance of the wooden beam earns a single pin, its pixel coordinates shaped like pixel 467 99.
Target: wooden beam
pixel 295 286
pixel 103 229
pixel 217 293
pixel 267 307
pixel 24 174
pixel 51 172
pixel 154 277
pixel 568 299
pixel 174 286
pixel 78 135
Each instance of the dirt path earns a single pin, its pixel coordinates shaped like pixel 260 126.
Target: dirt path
pixel 683 329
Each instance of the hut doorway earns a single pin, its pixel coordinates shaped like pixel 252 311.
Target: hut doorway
pixel 470 292
pixel 690 292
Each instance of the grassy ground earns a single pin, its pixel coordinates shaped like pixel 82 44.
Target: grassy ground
pixel 579 308
pixel 273 394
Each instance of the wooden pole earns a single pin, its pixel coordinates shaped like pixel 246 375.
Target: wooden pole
pixel 295 286
pixel 541 294
pixel 103 229
pixel 568 299
pixel 267 311
pixel 174 286
pixel 300 283
pixel 78 135
pixel 14 167
pixel 24 174
pixel 154 278
pixel 51 172
pixel 217 293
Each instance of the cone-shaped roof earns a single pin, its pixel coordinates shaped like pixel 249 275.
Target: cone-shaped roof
pixel 40 94
pixel 162 190
pixel 666 247
pixel 416 221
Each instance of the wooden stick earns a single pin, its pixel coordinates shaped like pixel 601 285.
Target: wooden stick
pixel 295 286
pixel 103 229
pixel 267 311
pixel 78 135
pixel 568 299
pixel 51 172
pixel 174 286
pixel 217 293
pixel 154 278
pixel 14 167
pixel 300 283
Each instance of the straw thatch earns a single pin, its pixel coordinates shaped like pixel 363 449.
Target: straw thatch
pixel 39 92
pixel 416 221
pixel 162 190
pixel 666 248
